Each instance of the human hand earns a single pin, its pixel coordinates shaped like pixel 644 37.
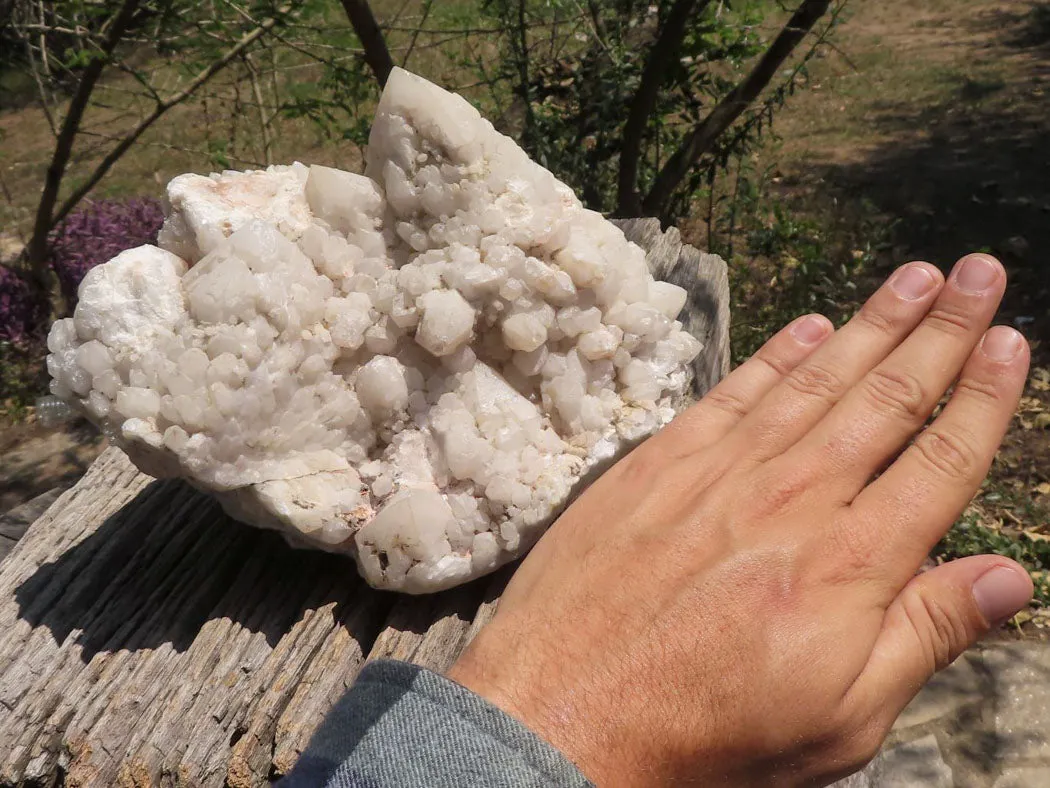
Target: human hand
pixel 736 601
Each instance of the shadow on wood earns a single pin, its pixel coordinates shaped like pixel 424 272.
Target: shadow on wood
pixel 162 638
pixel 169 561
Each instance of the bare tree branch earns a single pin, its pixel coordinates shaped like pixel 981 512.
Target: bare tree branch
pixel 364 22
pixel 36 252
pixel 705 133
pixel 43 43
pixel 41 27
pixel 161 107
pixel 427 6
pixel 199 152
pixel 41 88
pixel 7 8
pixel 264 124
pixel 661 54
pixel 521 54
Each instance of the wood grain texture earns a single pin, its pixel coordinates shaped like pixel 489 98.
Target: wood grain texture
pixel 147 639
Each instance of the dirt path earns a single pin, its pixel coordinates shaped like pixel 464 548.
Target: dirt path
pixel 933 123
pixel 943 129
pixel 35 459
pixel 939 124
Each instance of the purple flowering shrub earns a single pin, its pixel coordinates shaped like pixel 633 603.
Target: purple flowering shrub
pixel 98 233
pixel 22 313
pixel 23 324
pixel 91 235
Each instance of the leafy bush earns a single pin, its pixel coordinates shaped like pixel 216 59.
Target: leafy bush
pixel 99 232
pixel 579 79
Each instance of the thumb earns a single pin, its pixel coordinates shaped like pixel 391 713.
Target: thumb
pixel 933 620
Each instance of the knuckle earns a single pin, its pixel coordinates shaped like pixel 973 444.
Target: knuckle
pixel 951 319
pixel 981 390
pixel 778 365
pixel 816 381
pixel 897 392
pixel 943 633
pixel 851 555
pixel 782 490
pixel 947 453
pixel 640 466
pixel 726 400
pixel 872 318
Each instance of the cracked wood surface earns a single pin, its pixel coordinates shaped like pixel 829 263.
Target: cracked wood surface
pixel 148 639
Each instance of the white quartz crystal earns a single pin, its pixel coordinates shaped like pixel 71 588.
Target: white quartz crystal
pixel 417 366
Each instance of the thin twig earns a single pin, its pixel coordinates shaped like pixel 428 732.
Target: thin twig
pixel 263 124
pixel 246 41
pixel 593 20
pixel 42 92
pixel 427 5
pixel 205 154
pixel 43 45
pixel 44 28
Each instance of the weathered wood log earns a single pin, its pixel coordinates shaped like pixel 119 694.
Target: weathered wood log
pixel 147 639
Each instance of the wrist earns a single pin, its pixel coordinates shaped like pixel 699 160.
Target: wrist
pixel 565 717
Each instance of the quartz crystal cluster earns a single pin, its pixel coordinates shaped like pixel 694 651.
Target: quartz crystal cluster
pixel 416 366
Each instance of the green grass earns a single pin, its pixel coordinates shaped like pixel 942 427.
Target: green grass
pixel 970 537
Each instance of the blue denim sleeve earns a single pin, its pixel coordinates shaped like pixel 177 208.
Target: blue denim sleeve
pixel 401 726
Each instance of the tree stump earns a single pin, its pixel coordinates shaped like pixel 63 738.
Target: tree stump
pixel 148 639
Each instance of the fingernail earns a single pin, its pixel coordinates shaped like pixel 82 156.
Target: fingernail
pixel 912 282
pixel 809 329
pixel 1001 592
pixel 975 273
pixel 1001 343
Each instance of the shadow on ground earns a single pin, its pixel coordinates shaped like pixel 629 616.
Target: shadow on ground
pixel 972 172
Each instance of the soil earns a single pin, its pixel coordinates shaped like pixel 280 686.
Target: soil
pixel 35 459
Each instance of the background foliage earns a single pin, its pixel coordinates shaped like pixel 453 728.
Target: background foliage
pixel 884 158
pixel 639 106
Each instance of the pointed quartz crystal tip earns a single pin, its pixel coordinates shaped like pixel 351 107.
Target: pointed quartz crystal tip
pixel 417 366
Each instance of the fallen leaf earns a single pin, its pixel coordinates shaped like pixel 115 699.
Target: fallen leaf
pixel 1041 421
pixel 1041 379
pixel 1014 517
pixel 1043 489
pixel 1021 617
pixel 1030 403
